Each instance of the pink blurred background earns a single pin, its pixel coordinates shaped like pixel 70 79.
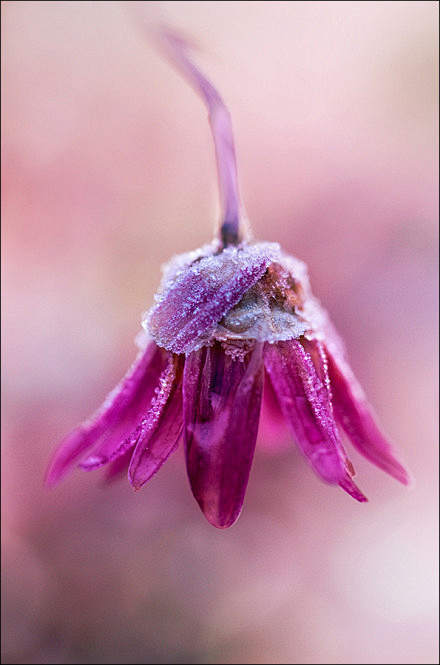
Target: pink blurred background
pixel 108 170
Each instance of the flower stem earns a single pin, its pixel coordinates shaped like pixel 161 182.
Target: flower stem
pixel 221 127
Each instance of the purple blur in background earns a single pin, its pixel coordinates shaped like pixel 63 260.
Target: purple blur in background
pixel 108 170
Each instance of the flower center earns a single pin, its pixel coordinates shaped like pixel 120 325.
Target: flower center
pixel 269 311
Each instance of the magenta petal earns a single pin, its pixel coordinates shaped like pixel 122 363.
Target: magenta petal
pixel 273 432
pixel 317 352
pixel 352 489
pixel 201 294
pixel 115 419
pixel 117 439
pixel 355 415
pixel 221 402
pixel 118 466
pixel 159 432
pixel 305 403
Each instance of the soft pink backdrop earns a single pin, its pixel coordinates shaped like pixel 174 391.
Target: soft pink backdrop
pixel 108 170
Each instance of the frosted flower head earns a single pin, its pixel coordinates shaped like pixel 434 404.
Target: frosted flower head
pixel 239 292
pixel 234 323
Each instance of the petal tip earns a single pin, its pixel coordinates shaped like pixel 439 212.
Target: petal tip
pixel 397 471
pixel 352 489
pixel 55 473
pixel 50 480
pixel 133 481
pixel 219 523
pixel 407 479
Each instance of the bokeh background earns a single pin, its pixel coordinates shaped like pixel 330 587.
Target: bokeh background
pixel 108 170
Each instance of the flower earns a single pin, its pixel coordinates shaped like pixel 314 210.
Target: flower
pixel 233 323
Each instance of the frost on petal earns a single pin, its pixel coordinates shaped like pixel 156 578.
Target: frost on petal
pixel 116 440
pixel 355 415
pixel 115 419
pixel 304 401
pixel 221 401
pixel 318 355
pixel 194 300
pixel 159 432
pixel 269 311
pixel 297 269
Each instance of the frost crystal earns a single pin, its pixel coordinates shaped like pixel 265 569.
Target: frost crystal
pixel 199 289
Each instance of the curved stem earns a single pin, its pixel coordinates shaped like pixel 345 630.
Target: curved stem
pixel 221 127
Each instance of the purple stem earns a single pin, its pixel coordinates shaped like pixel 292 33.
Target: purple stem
pixel 221 127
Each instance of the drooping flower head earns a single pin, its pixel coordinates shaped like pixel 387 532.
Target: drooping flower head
pixel 233 323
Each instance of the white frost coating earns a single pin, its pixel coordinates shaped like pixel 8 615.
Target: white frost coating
pixel 298 270
pixel 199 288
pixel 317 318
pixel 322 328
pixel 253 317
pixel 209 258
pixel 142 339
pixel 177 264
